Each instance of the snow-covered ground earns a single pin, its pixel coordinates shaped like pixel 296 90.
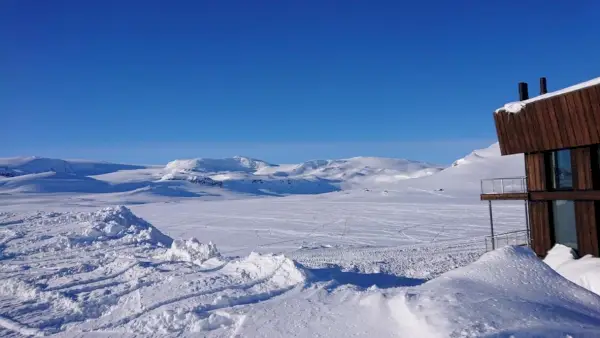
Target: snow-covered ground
pixel 374 254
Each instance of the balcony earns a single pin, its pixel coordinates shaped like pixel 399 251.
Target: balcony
pixel 505 188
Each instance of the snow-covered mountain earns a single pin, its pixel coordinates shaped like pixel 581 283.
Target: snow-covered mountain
pixel 467 172
pixel 212 165
pixel 248 176
pixel 356 167
pixel 17 166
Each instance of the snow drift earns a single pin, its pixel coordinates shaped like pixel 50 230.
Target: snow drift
pixel 192 251
pixel 506 292
pixel 119 223
pixel 584 271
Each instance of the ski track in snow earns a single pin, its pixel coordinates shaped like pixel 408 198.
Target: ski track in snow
pixel 52 284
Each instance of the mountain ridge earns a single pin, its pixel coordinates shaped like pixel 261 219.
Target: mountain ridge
pixel 250 176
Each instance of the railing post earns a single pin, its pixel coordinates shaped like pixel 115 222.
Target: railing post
pixel 502 185
pixel 528 238
pixel 492 226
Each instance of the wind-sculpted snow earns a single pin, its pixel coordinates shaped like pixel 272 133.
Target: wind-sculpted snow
pixel 506 293
pixel 192 251
pixel 109 270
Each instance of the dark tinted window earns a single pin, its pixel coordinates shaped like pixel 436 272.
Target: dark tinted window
pixel 562 173
pixel 564 223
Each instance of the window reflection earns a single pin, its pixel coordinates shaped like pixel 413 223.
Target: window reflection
pixel 562 172
pixel 565 231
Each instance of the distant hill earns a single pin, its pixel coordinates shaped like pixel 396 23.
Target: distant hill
pixel 247 176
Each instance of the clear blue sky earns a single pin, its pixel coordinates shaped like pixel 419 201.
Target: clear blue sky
pixel 149 81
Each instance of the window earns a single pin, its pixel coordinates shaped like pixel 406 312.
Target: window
pixel 564 223
pixel 562 173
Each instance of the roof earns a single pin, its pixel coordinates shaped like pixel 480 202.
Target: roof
pixel 516 107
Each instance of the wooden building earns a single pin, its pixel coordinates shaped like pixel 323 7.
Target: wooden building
pixel 559 135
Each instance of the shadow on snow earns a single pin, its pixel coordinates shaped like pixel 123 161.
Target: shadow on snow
pixel 336 277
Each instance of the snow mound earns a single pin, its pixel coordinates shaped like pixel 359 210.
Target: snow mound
pixel 192 251
pixel 235 164
pixel 118 223
pixel 280 270
pixel 506 292
pixel 584 271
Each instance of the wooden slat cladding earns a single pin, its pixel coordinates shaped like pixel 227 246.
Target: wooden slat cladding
pixel 539 220
pixel 535 170
pixel 581 159
pixel 562 121
pixel 519 196
pixel 587 231
pixel 584 195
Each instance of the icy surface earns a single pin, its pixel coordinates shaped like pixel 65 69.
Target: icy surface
pixel 515 107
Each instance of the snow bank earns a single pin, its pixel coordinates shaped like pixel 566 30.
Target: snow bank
pixel 118 223
pixel 192 251
pixel 280 270
pixel 506 292
pixel 584 271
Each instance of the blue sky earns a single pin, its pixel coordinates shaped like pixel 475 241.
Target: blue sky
pixel 285 81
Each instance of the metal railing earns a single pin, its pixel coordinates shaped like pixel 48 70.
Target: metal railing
pixel 518 237
pixel 503 185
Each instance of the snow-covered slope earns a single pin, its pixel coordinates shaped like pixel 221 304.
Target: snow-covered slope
pixel 247 176
pixel 368 169
pixel 111 273
pixel 211 165
pixel 465 174
pixel 16 166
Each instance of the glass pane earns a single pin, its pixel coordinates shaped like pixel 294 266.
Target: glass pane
pixel 564 223
pixel 562 171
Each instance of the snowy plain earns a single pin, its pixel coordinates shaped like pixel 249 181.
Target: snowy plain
pixel 243 248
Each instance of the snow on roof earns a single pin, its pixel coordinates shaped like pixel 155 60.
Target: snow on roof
pixel 515 107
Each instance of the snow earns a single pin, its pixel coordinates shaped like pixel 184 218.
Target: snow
pixel 509 292
pixel 237 163
pixel 192 251
pixel 202 177
pixel 584 271
pixel 33 164
pixel 516 107
pixel 373 254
